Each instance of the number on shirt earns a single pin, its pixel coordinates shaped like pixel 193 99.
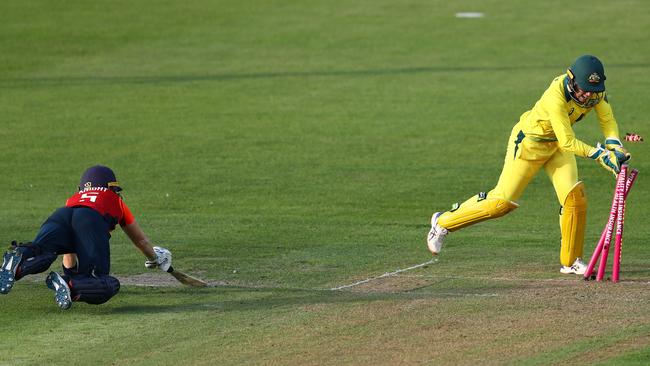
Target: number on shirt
pixel 92 196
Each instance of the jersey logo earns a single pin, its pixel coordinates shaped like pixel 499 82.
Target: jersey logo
pixel 520 138
pixel 594 78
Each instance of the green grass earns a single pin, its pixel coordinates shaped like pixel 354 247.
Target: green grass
pixel 284 148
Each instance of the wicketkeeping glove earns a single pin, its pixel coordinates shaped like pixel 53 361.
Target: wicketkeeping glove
pixel 163 259
pixel 608 159
pixel 614 144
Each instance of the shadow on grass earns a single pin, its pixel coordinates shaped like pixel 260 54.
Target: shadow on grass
pixel 256 299
pixel 251 299
pixel 172 79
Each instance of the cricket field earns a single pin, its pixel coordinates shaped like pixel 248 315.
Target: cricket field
pixel 291 153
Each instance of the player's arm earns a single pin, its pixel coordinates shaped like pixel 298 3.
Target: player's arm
pixel 610 129
pixel 156 256
pixel 139 239
pixel 568 142
pixel 561 124
pixel 606 119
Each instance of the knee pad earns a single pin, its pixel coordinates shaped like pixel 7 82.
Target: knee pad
pixel 93 290
pixel 27 249
pixel 36 264
pixel 573 218
pixel 476 209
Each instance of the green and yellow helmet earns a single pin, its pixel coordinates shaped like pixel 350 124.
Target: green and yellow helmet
pixel 588 74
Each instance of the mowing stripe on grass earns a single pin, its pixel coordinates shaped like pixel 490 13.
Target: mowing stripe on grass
pixel 488 278
pixel 521 279
pixel 387 274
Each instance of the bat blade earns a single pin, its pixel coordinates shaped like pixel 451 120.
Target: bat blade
pixel 186 279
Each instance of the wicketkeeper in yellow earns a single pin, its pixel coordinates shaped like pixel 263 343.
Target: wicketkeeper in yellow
pixel 543 139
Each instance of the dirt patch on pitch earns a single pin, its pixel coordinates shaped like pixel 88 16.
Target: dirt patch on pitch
pixel 149 280
pixel 472 320
pixel 160 280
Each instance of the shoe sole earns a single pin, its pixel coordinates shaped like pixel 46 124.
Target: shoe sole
pixel 572 271
pixel 8 271
pixel 61 290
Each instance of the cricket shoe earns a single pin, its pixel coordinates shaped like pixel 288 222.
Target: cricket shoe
pixel 8 270
pixel 578 267
pixel 436 235
pixel 62 294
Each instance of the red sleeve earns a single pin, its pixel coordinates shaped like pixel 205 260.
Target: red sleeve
pixel 127 216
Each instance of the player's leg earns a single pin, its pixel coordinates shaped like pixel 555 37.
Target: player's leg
pixel 480 207
pixel 91 283
pixel 53 238
pixel 563 172
pixel 92 248
pixel 69 264
pixel 515 176
pixel 92 289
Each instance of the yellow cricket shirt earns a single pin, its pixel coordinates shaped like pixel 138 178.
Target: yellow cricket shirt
pixel 555 112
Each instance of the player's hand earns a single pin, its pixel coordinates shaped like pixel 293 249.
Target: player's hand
pixel 607 159
pixel 163 259
pixel 614 144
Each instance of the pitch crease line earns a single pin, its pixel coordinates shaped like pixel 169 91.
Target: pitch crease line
pixel 387 274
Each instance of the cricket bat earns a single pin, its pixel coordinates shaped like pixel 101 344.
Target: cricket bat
pixel 186 279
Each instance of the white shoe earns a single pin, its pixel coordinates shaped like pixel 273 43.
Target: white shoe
pixel 436 235
pixel 578 267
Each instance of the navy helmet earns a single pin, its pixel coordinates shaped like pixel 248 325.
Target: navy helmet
pixel 99 176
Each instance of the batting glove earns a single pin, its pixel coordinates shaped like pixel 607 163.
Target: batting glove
pixel 151 263
pixel 614 144
pixel 163 259
pixel 607 159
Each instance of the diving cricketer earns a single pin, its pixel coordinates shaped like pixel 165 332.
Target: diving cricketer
pixel 544 138
pixel 81 231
